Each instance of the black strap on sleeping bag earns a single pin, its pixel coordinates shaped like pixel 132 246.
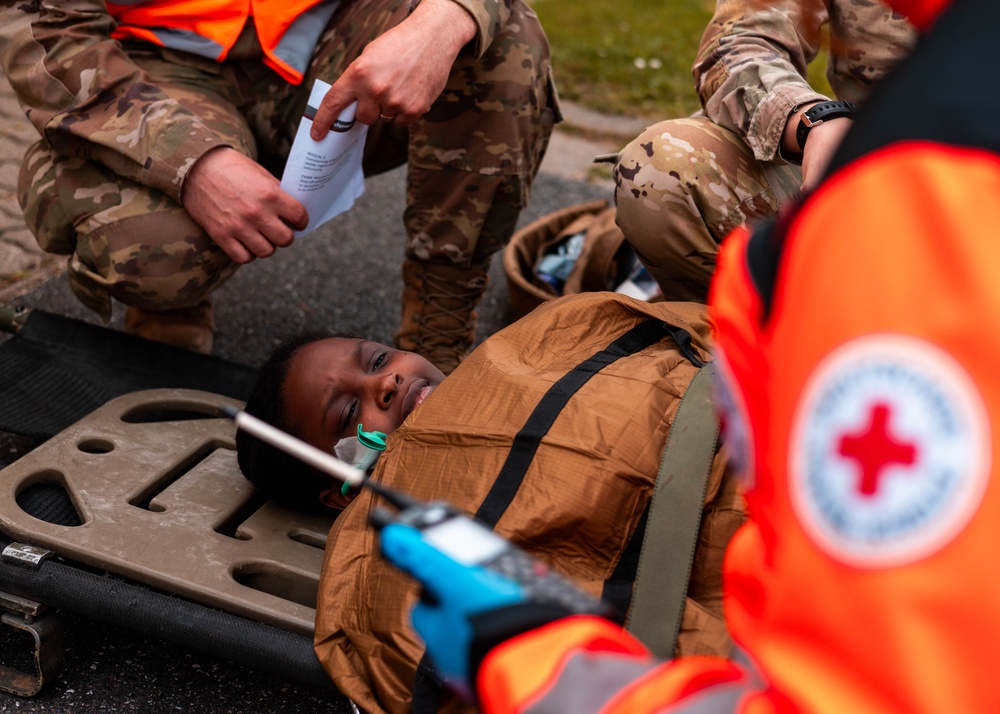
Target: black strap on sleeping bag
pixel 618 588
pixel 526 443
pixel 427 684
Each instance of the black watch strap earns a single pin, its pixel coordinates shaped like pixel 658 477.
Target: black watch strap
pixel 817 114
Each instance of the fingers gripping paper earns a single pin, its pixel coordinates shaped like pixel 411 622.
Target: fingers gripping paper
pixel 326 175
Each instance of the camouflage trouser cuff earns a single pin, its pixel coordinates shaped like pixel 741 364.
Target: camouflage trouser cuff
pixel 89 288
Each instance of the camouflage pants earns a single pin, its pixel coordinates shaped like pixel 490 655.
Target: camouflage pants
pixel 471 160
pixel 681 187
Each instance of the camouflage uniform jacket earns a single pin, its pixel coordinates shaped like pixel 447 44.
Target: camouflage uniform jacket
pixel 87 98
pixel 751 65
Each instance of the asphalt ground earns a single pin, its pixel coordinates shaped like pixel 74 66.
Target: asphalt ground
pixel 344 276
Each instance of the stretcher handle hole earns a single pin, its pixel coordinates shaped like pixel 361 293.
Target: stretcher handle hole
pixel 310 538
pixel 230 526
pixel 158 412
pixel 145 498
pixel 47 499
pixel 273 579
pixel 96 446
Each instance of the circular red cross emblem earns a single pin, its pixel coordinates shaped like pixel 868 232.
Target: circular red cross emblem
pixel 889 454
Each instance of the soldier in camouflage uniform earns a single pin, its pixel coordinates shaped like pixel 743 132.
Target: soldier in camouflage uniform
pixel 150 174
pixel 684 184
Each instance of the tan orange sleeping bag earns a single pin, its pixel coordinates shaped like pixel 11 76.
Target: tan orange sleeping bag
pixel 580 500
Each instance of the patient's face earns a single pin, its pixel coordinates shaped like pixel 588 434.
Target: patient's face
pixel 337 383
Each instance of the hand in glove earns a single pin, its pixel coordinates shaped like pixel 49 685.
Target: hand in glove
pixel 465 610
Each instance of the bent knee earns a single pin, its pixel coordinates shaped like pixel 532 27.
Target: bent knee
pixel 676 153
pixel 161 260
pixel 687 170
pixel 40 200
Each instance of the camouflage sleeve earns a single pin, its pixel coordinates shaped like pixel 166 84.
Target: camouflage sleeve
pixel 867 40
pixel 87 98
pixel 490 16
pixel 751 65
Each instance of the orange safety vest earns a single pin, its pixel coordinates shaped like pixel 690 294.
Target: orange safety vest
pixel 858 340
pixel 288 29
pixel 865 582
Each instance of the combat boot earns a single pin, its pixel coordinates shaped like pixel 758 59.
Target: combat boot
pixel 439 318
pixel 192 328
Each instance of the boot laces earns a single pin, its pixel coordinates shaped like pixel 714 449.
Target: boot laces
pixel 448 310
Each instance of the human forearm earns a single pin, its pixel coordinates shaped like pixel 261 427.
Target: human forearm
pixel 820 144
pixel 450 22
pixel 86 97
pixel 789 137
pixel 751 63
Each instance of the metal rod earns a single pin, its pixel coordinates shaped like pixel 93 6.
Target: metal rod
pixel 296 447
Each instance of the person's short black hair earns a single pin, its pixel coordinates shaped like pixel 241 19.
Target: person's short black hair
pixel 280 476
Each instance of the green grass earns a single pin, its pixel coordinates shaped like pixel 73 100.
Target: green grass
pixel 630 57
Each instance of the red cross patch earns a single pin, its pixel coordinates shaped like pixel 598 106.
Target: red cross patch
pixel 874 449
pixel 889 454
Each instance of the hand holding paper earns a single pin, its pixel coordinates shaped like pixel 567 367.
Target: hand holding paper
pixel 326 175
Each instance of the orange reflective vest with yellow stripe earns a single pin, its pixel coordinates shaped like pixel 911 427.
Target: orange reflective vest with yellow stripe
pixel 860 342
pixel 288 29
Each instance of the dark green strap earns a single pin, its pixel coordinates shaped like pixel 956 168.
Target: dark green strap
pixel 668 546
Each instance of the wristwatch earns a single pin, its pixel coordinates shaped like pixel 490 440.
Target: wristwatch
pixel 819 113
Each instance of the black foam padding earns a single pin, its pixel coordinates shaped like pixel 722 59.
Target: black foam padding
pixel 49 502
pixel 56 370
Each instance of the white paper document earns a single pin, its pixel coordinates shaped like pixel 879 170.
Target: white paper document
pixel 326 175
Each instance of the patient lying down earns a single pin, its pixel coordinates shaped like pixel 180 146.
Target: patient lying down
pixel 577 502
